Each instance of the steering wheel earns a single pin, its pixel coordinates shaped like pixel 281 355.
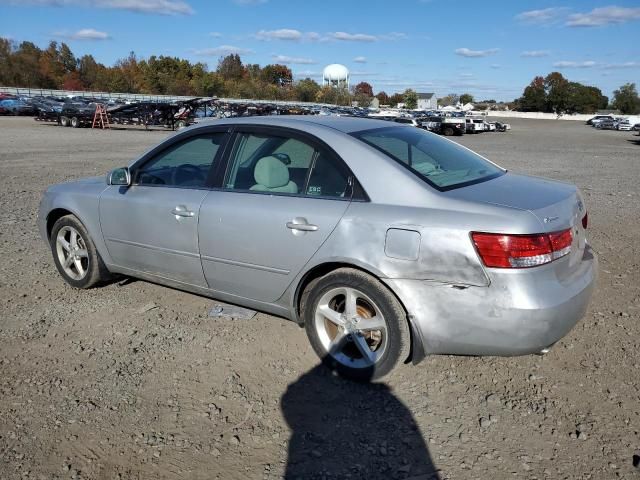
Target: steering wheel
pixel 187 173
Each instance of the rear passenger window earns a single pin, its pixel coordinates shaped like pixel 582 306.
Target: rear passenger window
pixel 278 164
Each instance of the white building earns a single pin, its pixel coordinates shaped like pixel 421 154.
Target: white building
pixel 335 75
pixel 427 101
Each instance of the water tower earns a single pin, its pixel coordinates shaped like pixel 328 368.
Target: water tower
pixel 335 75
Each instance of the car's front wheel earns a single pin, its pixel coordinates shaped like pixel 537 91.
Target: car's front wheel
pixel 355 324
pixel 75 254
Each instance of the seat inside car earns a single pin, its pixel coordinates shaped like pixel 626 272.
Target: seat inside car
pixel 271 175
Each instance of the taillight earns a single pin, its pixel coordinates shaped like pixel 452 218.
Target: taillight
pixel 585 220
pixel 499 250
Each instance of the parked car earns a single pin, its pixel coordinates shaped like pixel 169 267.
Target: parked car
pixel 606 124
pixel 627 123
pixel 597 118
pixel 386 242
pixel 444 125
pixel 16 107
pixel 474 125
pixel 502 127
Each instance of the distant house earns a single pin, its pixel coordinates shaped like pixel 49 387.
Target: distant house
pixel 427 101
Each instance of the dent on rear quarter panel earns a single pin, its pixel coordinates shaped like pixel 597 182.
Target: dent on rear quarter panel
pixel 446 254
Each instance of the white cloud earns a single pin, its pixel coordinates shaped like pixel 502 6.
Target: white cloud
pixel 495 66
pixel 281 34
pixel 360 60
pixel 466 52
pixel 222 50
pixel 292 60
pixel 215 34
pixel 84 34
pixel 353 37
pixel 622 65
pixel 604 16
pixel 539 17
pixel 162 7
pixel 572 64
pixel 535 53
pixel 466 75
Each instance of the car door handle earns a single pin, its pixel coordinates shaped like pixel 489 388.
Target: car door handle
pixel 302 225
pixel 181 211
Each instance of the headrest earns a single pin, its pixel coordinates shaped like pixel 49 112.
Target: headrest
pixel 271 172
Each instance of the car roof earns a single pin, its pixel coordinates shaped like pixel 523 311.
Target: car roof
pixel 342 124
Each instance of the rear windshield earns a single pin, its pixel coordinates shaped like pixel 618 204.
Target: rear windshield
pixel 441 163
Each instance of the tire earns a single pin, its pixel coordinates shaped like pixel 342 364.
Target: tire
pixel 85 270
pixel 75 123
pixel 448 131
pixel 180 124
pixel 341 347
pixel 64 121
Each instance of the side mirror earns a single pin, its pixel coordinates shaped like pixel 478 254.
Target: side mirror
pixel 119 176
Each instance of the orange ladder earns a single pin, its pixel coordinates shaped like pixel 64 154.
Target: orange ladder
pixel 100 118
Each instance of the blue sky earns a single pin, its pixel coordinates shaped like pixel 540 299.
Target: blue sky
pixel 491 49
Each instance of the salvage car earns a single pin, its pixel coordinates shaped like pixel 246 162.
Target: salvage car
pixel 386 242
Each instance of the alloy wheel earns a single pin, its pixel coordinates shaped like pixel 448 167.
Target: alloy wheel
pixel 351 327
pixel 72 253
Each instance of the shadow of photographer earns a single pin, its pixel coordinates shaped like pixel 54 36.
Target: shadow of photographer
pixel 346 429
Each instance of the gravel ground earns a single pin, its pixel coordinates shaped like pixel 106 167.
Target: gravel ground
pixel 135 381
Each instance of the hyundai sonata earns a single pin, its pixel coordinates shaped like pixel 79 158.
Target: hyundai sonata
pixel 387 242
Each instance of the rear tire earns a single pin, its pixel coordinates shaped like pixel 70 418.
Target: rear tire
pixel 448 131
pixel 75 123
pixel 355 324
pixel 64 121
pixel 75 254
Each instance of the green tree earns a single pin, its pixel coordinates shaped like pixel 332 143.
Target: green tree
pixel 558 91
pixel 410 99
pixel 230 67
pixel 306 90
pixel 626 99
pixel 534 97
pixel 466 98
pixel 395 99
pixel 67 59
pixel 277 74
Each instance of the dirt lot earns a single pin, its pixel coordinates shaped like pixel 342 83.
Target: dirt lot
pixel 135 381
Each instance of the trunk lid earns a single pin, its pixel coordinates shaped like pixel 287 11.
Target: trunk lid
pixel 557 205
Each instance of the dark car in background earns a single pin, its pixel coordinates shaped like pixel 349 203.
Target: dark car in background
pixel 16 106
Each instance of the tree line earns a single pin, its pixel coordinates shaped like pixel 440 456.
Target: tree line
pixel 555 94
pixel 56 67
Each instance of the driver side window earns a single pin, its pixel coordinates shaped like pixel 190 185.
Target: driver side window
pixel 185 164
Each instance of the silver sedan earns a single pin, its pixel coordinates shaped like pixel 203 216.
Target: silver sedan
pixel 386 242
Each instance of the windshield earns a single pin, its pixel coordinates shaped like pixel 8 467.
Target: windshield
pixel 442 163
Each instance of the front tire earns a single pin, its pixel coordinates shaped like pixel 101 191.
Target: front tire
pixel 75 123
pixel 355 324
pixel 75 254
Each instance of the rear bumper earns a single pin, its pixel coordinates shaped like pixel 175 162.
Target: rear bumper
pixel 520 312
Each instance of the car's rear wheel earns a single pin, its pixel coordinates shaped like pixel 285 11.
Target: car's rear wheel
pixel 448 131
pixel 75 254
pixel 355 324
pixel 64 121
pixel 75 123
